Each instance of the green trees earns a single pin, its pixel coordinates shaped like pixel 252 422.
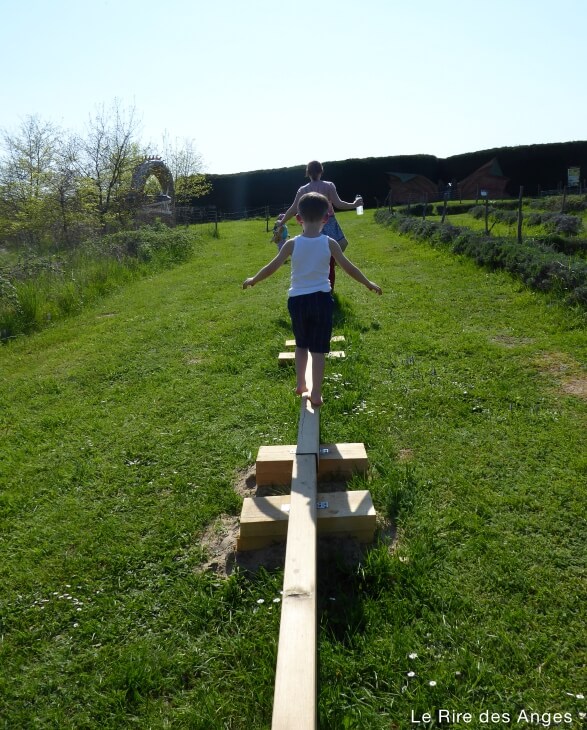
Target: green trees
pixel 185 165
pixel 57 187
pixel 109 153
pixel 27 180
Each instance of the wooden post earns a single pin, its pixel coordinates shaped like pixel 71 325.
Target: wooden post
pixel 487 215
pixel 295 696
pixel 520 197
pixel 294 701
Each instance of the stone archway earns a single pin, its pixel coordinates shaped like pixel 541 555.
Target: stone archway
pixel 164 203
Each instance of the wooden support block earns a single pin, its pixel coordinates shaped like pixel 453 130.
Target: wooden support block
pixel 336 338
pixel 248 544
pixel 274 463
pixel 285 357
pixel 295 696
pixel 264 520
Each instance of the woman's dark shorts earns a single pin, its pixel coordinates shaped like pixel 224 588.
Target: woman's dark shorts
pixel 311 320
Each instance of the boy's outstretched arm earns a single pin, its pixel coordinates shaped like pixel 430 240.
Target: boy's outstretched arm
pixel 272 266
pixel 352 270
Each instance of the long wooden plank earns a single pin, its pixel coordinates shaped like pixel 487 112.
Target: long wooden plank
pixel 309 423
pixel 308 430
pixel 294 699
pixel 294 702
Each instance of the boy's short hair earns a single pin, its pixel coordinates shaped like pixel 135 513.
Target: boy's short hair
pixel 313 169
pixel 313 207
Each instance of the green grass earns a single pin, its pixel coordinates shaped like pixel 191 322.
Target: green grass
pixel 505 229
pixel 36 289
pixel 124 429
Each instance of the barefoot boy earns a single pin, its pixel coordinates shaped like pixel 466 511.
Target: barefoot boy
pixel 310 301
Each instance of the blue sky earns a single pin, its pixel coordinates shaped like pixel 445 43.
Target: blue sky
pixel 259 84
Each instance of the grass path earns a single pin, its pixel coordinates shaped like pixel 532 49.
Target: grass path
pixel 122 432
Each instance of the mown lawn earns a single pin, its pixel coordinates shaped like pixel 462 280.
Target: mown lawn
pixel 123 431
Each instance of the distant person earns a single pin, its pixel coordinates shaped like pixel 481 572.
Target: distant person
pixel 310 302
pixel 280 235
pixel 314 171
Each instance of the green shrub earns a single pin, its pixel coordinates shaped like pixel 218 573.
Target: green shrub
pixel 161 243
pixel 10 308
pixel 554 203
pixel 478 211
pixel 453 209
pixel 569 246
pixel 533 262
pixel 509 217
pixel 567 225
pixel 419 209
pixel 36 290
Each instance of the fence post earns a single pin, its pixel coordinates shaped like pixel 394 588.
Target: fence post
pixel 521 195
pixel 487 215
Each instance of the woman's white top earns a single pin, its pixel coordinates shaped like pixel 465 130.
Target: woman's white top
pixel 310 265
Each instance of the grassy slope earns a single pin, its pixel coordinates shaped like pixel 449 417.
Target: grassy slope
pixel 122 431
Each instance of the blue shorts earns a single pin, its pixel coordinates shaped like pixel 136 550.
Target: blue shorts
pixel 332 229
pixel 311 320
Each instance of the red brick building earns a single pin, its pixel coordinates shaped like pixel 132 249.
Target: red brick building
pixel 405 187
pixel 487 181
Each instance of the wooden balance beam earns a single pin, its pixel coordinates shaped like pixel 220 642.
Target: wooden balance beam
pixel 298 517
pixel 295 698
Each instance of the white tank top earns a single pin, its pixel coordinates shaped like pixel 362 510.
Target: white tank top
pixel 310 265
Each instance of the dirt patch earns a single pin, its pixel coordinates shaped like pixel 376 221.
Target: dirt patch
pixel 567 372
pixel 405 455
pixel 576 386
pixel 220 538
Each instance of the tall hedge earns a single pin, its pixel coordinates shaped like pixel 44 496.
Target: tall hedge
pixel 533 166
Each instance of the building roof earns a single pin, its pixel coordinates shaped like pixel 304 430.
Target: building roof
pixel 405 176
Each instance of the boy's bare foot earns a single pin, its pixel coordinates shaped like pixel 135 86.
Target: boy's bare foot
pixel 301 389
pixel 316 402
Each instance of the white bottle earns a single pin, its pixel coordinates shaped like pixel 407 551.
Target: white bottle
pixel 359 207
